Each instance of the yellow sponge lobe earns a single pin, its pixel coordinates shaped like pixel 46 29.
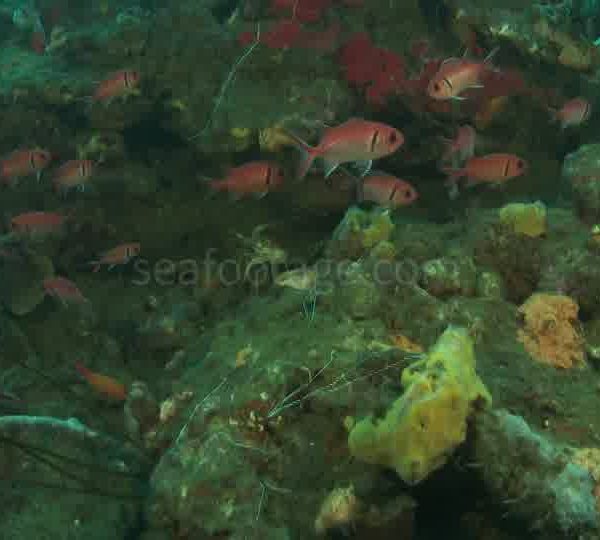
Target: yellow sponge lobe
pixel 429 420
pixel 526 219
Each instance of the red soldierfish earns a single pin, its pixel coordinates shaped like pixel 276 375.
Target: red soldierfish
pixel 74 173
pixel 37 223
pixel 456 75
pixel 387 190
pixel 24 163
pixel 254 178
pixel 116 85
pixel 121 254
pixel 573 113
pixel 355 140
pixel 65 290
pixel 462 147
pixel 492 168
pixel 105 386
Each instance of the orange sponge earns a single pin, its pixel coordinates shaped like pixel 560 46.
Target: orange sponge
pixel 550 331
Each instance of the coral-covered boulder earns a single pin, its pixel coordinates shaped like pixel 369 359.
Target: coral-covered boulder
pixel 548 486
pixel 581 170
pixel 448 276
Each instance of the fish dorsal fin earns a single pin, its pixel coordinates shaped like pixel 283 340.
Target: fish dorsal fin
pixel 234 172
pixel 452 60
pixel 353 120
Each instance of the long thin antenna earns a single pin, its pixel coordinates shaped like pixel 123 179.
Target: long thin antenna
pixel 228 81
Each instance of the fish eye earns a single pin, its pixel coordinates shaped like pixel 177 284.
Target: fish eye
pixel 520 164
pixel 436 87
pixel 393 137
pixel 408 193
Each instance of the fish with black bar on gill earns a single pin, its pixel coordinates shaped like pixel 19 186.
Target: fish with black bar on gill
pixel 24 162
pixel 255 178
pixel 38 224
pixel 457 75
pixel 104 386
pixel 355 141
pixel 64 290
pixel 491 169
pixel 73 174
pixel 120 84
pixel 116 256
pixel 386 190
pixel 573 113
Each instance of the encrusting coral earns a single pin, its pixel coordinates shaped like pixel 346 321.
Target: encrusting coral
pixel 549 332
pixel 339 509
pixel 589 458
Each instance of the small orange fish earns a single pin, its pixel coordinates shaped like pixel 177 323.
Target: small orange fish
pixel 73 174
pixel 492 168
pixel 64 289
pixel 37 223
pixel 387 190
pixel 355 140
pixel 573 113
pixel 456 75
pixel 118 84
pixel 254 178
pixel 120 254
pixel 24 163
pixel 105 386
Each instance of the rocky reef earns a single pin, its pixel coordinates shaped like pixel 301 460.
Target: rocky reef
pixel 187 353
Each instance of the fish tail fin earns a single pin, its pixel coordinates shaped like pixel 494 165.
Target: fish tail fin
pixel 487 61
pixel 351 182
pixel 211 183
pixel 82 370
pixel 554 117
pixel 309 154
pixel 216 186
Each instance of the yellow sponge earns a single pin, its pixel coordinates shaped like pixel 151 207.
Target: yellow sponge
pixel 426 424
pixel 525 219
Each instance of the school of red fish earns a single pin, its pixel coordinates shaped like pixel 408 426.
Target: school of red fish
pixel 355 143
